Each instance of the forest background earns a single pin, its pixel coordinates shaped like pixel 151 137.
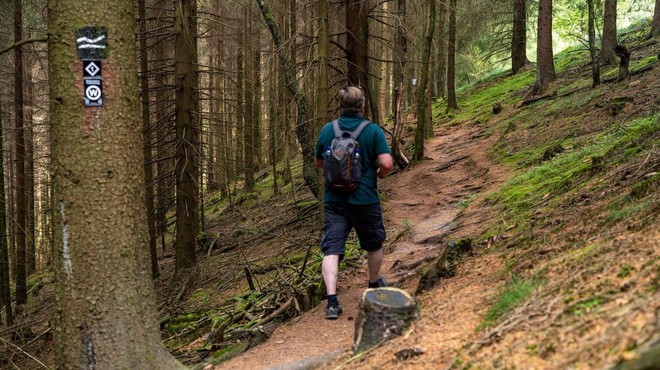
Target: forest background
pixel 232 93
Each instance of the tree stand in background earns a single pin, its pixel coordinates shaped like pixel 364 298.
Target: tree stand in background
pixel 384 313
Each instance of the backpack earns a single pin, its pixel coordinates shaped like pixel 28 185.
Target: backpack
pixel 342 167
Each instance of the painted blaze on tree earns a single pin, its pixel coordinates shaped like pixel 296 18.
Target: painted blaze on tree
pixel 105 316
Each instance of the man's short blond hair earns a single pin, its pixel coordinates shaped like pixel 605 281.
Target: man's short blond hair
pixel 351 99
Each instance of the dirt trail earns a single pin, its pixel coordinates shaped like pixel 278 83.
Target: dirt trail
pixel 426 198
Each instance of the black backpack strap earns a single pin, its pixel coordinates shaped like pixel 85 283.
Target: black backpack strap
pixel 355 134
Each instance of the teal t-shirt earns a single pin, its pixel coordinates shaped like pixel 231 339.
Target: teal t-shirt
pixel 372 143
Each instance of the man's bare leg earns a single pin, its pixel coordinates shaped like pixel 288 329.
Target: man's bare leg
pixel 374 260
pixel 330 271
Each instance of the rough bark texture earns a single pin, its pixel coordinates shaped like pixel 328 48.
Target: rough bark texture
pixel 357 31
pixel 545 67
pixel 146 139
pixel 519 36
pixel 441 78
pixel 420 133
pixel 105 304
pixel 186 123
pixel 303 119
pixel 451 58
pixel 624 61
pixel 607 55
pixel 595 62
pixel 400 57
pixel 249 153
pixel 655 27
pixel 384 313
pixel 4 251
pixel 21 201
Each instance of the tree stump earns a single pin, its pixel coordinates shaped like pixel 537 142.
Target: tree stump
pixel 384 313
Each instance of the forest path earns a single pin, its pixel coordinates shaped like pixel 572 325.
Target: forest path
pixel 423 199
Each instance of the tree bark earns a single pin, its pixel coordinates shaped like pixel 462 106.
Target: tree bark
pixel 609 42
pixel 187 126
pixel 420 133
pixel 4 250
pixel 105 303
pixel 519 36
pixel 21 201
pixel 384 313
pixel 655 26
pixel 303 119
pixel 545 67
pixel 250 93
pixel 357 46
pixel 451 59
pixel 595 62
pixel 441 77
pixel 146 137
pixel 30 240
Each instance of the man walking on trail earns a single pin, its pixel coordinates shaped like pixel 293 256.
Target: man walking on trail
pixel 359 208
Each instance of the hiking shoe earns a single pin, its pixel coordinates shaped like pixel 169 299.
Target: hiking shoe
pixel 380 283
pixel 332 312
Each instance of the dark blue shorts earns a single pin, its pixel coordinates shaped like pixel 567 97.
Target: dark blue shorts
pixel 340 218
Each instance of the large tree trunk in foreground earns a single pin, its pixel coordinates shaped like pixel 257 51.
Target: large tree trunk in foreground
pixel 384 313
pixel 105 303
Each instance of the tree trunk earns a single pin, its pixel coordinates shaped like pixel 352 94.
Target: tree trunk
pixel 608 57
pixel 21 201
pixel 4 251
pixel 384 313
pixel 303 119
pixel 441 76
pixel 31 251
pixel 357 46
pixel 187 124
pixel 595 62
pixel 248 165
pixel 451 59
pixel 545 67
pixel 420 133
pixel 163 163
pixel 398 104
pixel 105 303
pixel 655 27
pixel 519 38
pixel 624 54
pixel 146 137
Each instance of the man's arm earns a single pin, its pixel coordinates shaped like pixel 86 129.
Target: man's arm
pixel 385 165
pixel 318 163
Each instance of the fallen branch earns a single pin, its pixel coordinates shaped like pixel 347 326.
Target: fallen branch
pixel 25 353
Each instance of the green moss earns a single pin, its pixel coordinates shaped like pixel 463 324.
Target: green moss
pixel 228 352
pixel 513 294
pixel 586 306
pixel 478 101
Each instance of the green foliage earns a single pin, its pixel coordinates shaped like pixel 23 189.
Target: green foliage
pixel 479 102
pixel 522 193
pixel 586 306
pixel 514 293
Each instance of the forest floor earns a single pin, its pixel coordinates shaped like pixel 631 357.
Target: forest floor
pixel 424 197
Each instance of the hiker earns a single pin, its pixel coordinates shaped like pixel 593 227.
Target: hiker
pixel 346 208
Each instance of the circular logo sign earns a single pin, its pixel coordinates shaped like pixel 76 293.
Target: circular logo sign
pixel 93 93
